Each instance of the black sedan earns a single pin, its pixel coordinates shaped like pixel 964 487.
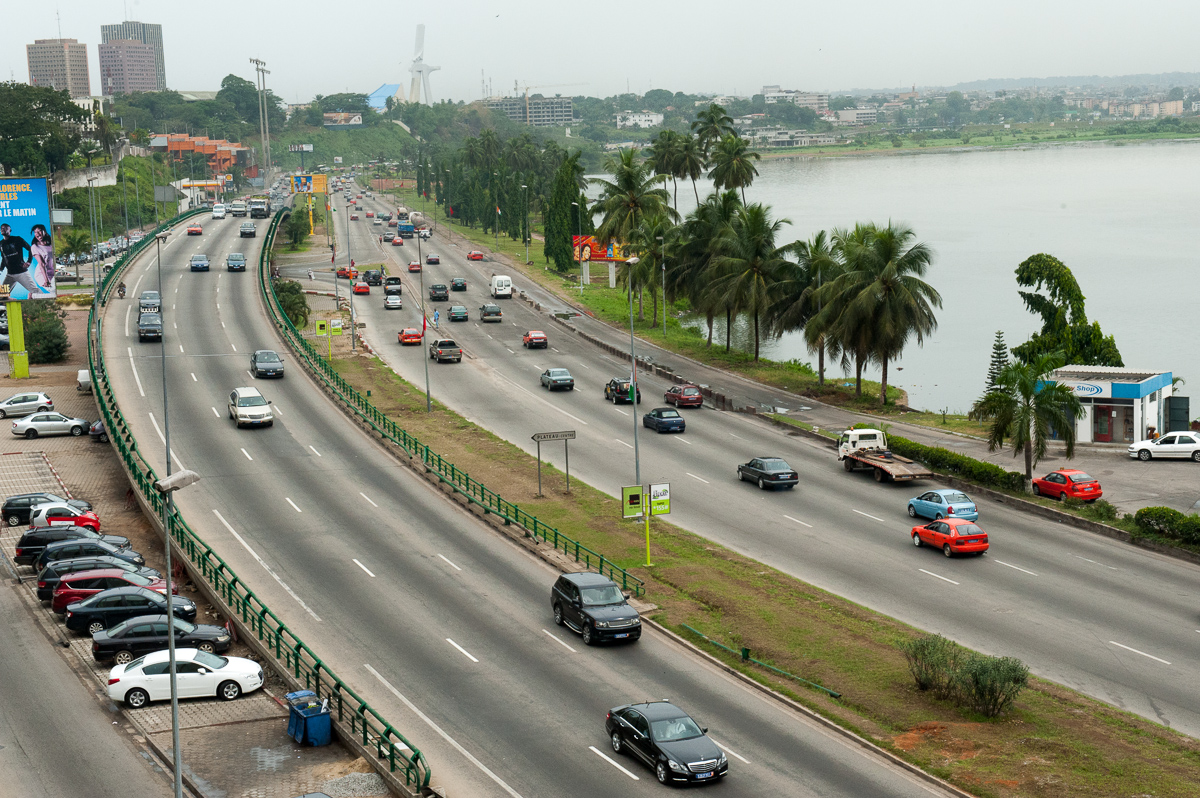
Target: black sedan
pixel 617 390
pixel 16 508
pixel 667 739
pixel 768 472
pixel 108 608
pixel 52 574
pixel 134 637
pixel 664 419
pixel 266 363
pixel 458 284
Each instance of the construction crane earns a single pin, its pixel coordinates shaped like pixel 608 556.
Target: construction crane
pixel 517 90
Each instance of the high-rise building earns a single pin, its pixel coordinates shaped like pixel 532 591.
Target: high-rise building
pixel 536 111
pixel 127 66
pixel 146 33
pixel 61 64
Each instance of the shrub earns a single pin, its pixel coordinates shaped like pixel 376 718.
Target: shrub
pixel 989 685
pixel 939 459
pixel 1168 523
pixel 930 660
pixel 45 334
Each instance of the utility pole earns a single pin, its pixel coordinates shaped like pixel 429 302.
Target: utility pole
pixel 525 230
pixel 260 83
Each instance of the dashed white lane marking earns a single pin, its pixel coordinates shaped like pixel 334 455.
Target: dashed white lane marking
pixel 1014 567
pixel 612 762
pixel 729 751
pixel 128 310
pixel 222 324
pixel 935 576
pixel 162 438
pixel 133 366
pixel 510 351
pixel 798 521
pixel 181 347
pixel 261 562
pixel 739 437
pixel 248 457
pixel 1135 651
pixel 215 413
pixel 194 377
pixel 556 350
pixel 554 637
pixel 452 565
pixel 622 412
pixel 365 568
pixel 623 443
pixel 681 440
pixel 701 479
pixel 1093 562
pixel 294 507
pixel 872 517
pixel 464 652
pixel 234 348
pixel 318 454
pixel 249 374
pixel 589 368
pixel 278 409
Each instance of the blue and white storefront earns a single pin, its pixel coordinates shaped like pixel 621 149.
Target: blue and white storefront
pixel 1120 405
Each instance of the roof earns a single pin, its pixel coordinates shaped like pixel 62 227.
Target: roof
pixel 659 710
pixel 588 579
pixel 1108 373
pixel 378 98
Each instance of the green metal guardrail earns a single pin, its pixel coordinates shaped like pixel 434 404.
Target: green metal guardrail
pixel 368 726
pixel 446 472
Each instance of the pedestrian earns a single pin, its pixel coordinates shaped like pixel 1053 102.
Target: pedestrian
pixel 437 315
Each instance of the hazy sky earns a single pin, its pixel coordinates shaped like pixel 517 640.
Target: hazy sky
pixel 601 48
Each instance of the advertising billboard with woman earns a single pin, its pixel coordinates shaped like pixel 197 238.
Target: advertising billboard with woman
pixel 26 243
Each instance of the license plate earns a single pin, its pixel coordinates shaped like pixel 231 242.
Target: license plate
pixel 623 634
pixel 708 775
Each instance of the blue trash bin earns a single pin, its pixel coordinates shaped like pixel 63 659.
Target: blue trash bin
pixel 308 719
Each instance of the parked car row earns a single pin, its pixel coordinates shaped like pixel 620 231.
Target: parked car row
pixel 35 415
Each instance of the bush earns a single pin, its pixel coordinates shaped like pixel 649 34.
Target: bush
pixel 1168 523
pixel 45 334
pixel 930 661
pixel 959 465
pixel 988 685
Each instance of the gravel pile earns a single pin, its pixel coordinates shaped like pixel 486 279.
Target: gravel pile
pixel 355 785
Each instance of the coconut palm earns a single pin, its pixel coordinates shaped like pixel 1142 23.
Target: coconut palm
pixel 732 165
pixel 797 303
pixel 644 242
pixel 489 148
pixel 664 159
pixel 1028 407
pixel 690 273
pixel 690 162
pixel 629 197
pixel 750 263
pixel 472 155
pixel 711 125
pixel 850 247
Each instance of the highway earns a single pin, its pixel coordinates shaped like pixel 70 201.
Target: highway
pixel 441 623
pixel 1110 620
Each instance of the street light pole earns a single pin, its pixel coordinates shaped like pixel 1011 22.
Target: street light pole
pixel 637 462
pixel 579 249
pixel 421 302
pixel 350 277
pixel 662 248
pixel 449 210
pixel 525 230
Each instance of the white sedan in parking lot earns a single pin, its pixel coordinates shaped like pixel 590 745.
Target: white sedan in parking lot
pixel 197 675
pixel 50 423
pixel 1181 445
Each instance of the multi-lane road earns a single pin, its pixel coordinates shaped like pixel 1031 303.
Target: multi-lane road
pixel 441 623
pixel 1113 621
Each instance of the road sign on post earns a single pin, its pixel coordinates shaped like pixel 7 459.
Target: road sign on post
pixel 660 499
pixel 631 501
pixel 564 436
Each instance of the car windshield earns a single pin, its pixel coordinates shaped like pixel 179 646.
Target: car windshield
pixel 665 731
pixel 267 357
pixel 597 596
pixel 1081 477
pixel 559 373
pixel 150 296
pixel 251 401
pixel 691 391
pixel 775 464
pixel 966 530
pixel 956 497
pixel 150 318
pixel 138 579
pixel 668 414
pixel 199 258
pixel 211 660
pixel 183 626
pixel 119 629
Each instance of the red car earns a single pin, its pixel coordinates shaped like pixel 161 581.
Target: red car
pixel 354 217
pixel 393 222
pixel 1068 482
pixel 684 396
pixel 82 584
pixel 362 288
pixel 535 339
pixel 346 271
pixel 414 266
pixel 409 335
pixel 358 195
pixel 432 259
pixel 952 536
pixel 397 241
pixel 474 255
pixel 194 229
pixel 352 202
pixel 370 214
pixel 58 514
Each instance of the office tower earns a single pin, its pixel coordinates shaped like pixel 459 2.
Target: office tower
pixel 146 33
pixel 60 64
pixel 127 66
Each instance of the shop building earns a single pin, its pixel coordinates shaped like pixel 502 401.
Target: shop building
pixel 1119 405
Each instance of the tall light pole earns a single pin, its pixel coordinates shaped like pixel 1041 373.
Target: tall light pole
pixel 421 303
pixel 637 462
pixel 92 230
pixel 525 230
pixel 662 249
pixel 261 83
pixel 496 196
pixel 350 277
pixel 449 209
pixel 579 249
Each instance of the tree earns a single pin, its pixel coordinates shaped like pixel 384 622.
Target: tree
pixel 664 158
pixel 73 242
pixel 557 216
pixel 1027 406
pixel 998 363
pixel 690 272
pixel 645 243
pixel 797 303
pixel 293 302
pixel 750 263
pixel 242 95
pixel 1058 299
pixel 711 125
pixel 89 149
pixel 731 164
pixel 629 197
pixel 690 162
pixel 296 226
pixel 45 333
pixel 32 113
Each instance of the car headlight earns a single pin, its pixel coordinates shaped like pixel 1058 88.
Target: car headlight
pixel 675 766
pixel 722 761
pixel 602 624
pixel 222 638
pixel 637 621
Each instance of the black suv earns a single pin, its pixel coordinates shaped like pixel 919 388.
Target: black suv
pixel 458 284
pixel 150 326
pixel 109 607
pixel 373 277
pixel 391 285
pixel 84 547
pixel 667 739
pixel 34 542
pixel 617 390
pixel 490 312
pixel 439 293
pixel 594 606
pixel 52 574
pixel 16 508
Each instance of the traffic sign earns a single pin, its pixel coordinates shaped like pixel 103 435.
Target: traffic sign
pixel 568 435
pixel 660 499
pixel 321 327
pixel 631 501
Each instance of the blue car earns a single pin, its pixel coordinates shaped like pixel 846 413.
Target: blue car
pixel 946 503
pixel 199 263
pixel 664 419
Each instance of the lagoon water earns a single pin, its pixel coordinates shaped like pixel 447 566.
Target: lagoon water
pixel 1122 218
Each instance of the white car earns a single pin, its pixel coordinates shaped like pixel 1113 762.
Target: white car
pixel 23 404
pixel 218 211
pixel 393 302
pixel 57 514
pixel 197 675
pixel 50 423
pixel 1171 444
pixel 249 406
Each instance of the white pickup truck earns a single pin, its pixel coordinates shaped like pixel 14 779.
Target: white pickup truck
pixel 867 448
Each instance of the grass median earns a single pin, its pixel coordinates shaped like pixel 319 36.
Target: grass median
pixel 1054 742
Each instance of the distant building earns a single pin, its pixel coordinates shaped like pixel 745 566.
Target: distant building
pixel 222 155
pixel 61 64
pixel 197 96
pixel 805 99
pixel 126 66
pixel 639 119
pixel 778 137
pixel 536 111
pixel 378 98
pixel 857 117
pixel 146 33
pixel 93 105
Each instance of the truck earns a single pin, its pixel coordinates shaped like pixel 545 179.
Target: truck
pixel 237 208
pixel 406 229
pixel 402 214
pixel 260 207
pixel 860 449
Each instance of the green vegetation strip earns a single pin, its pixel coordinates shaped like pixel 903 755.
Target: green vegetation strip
pixel 301 662
pixel 745 655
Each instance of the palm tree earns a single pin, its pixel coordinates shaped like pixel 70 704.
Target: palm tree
pixel 629 197
pixel 750 263
pixel 690 162
pixel 489 148
pixel 645 243
pixel 472 155
pixel 711 125
pixel 1027 406
pixel 797 302
pixel 731 162
pixel 73 242
pixel 850 248
pixel 690 272
pixel 664 158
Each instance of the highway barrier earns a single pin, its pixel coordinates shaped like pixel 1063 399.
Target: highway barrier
pixel 365 725
pixel 446 472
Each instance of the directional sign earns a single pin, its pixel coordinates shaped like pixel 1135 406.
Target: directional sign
pixel 631 501
pixel 568 435
pixel 660 499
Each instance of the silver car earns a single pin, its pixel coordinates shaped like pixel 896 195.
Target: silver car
pixel 50 424
pixel 23 404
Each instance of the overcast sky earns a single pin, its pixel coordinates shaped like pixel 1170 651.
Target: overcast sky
pixel 602 48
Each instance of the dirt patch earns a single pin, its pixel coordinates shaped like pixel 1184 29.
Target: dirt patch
pixel 335 770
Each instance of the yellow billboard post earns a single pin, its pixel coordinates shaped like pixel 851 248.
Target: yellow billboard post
pixel 18 357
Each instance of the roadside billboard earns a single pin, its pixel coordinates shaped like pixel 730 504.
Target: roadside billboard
pixel 26 243
pixel 342 120
pixel 588 248
pixel 337 159
pixel 309 184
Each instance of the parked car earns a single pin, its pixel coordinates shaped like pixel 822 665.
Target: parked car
pixel 490 312
pixel 150 327
pixel 443 349
pixel 554 379
pixel 198 263
pixel 474 255
pixel 16 508
pixel 1068 482
pixel 107 609
pixel 409 336
pixel 136 637
pixel 458 284
pixel 439 293
pixel 362 288
pixel 535 339
pixel 945 503
pixel 235 262
pixel 266 363
pixel 197 674
pixel 85 547
pixel 393 302
pixel 684 396
pixel 666 739
pixel 1180 445
pixel 48 577
pixel 194 229
pixel 249 406
pixel 769 472
pixel 392 285
pixel 50 423
pixel 35 540
pixel 952 536
pixel 617 390
pixel 22 404
pixel 247 230
pixel 62 514
pixel 664 419
pixel 594 606
pixel 457 313
pixel 432 259
pixel 85 584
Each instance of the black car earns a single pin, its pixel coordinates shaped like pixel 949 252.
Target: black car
pixel 150 326
pixel 769 472
pixel 458 284
pixel 34 542
pixel 235 262
pixel 266 363
pixel 667 739
pixel 457 313
pixel 439 293
pixel 108 608
pixel 145 634
pixel 373 277
pixel 664 419
pixel 247 230
pixel 84 547
pixel 617 390
pixel 392 285
pixel 594 606
pixel 16 508
pixel 49 577
pixel 490 312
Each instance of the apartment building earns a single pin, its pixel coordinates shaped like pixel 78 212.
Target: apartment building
pixel 146 33
pixel 61 64
pixel 805 99
pixel 641 119
pixel 857 117
pixel 126 66
pixel 535 111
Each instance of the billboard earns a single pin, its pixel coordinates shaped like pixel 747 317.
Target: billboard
pixel 300 148
pixel 337 159
pixel 309 184
pixel 593 249
pixel 26 244
pixel 343 120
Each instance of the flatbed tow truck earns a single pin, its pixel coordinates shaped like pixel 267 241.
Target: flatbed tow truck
pixel 860 449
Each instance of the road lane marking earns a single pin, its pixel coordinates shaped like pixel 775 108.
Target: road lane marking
pixel 278 409
pixel 589 368
pixel 234 348
pixel 612 762
pixel 452 565
pixel 181 348
pixel 318 454
pixel 215 413
pixel 798 521
pixel 1085 559
pixel 261 562
pixel 248 373
pixel 162 438
pixel 935 576
pixel 464 652
pixel 194 377
pixel 739 437
pixel 868 515
pixel 693 476
pixel 222 324
pixel 365 568
pixel 560 642
pixel 510 351
pixel 248 457
pixel 1143 653
pixel 289 501
pixel 443 734
pixel 730 751
pixel 622 412
pixel 623 443
pixel 133 366
pixel 1015 567
pixel 556 350
pixel 681 440
pixel 128 310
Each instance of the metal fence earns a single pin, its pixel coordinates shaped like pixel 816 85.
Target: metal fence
pixel 366 724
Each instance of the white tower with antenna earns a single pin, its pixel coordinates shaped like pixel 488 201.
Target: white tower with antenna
pixel 420 71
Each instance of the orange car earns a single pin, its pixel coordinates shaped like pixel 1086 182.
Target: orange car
pixel 474 255
pixel 952 536
pixel 354 217
pixel 534 339
pixel 346 271
pixel 194 229
pixel 397 241
pixel 1068 482
pixel 414 266
pixel 362 288
pixel 410 336
pixel 370 214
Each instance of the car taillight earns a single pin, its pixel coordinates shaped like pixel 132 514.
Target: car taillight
pixel 41 583
pixel 95 647
pixel 20 551
pixel 949 511
pixel 113 681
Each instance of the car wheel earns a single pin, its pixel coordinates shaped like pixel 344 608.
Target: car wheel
pixel 42 408
pixel 95 626
pixel 937 516
pixel 1196 455
pixel 912 511
pixel 104 437
pixel 660 773
pixel 1036 490
pixel 13 520
pixel 946 549
pixel 137 698
pixel 3 414
pixel 558 616
pixel 207 648
pixel 31 433
pixel 916 540
pixel 589 636
pixel 123 657
pixel 616 742
pixel 761 485
pixel 1061 495
pixel 76 431
pixel 1144 455
pixel 228 691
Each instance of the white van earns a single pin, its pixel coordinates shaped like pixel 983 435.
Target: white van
pixel 218 211
pixel 502 287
